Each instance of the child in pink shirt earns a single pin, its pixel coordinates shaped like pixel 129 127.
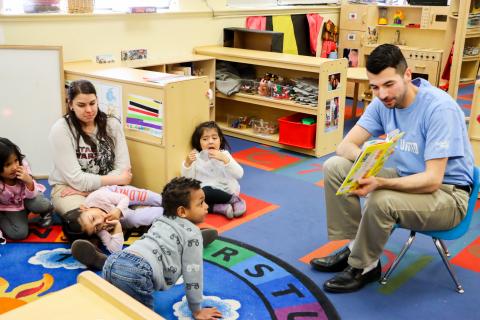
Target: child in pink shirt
pixel 106 212
pixel 19 193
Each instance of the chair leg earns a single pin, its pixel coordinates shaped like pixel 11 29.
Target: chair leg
pixel 440 249
pixel 444 247
pixel 404 250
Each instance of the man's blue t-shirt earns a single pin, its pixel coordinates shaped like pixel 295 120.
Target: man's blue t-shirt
pixel 434 128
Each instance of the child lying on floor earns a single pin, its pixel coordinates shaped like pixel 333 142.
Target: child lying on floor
pixel 105 214
pixel 171 248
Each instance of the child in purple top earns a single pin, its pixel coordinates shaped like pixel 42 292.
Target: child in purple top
pixel 19 193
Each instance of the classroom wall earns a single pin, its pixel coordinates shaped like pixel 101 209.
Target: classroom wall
pixel 170 34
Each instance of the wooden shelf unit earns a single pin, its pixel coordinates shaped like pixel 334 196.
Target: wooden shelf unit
pixel 464 68
pixel 440 27
pixel 155 160
pixel 290 66
pixel 474 124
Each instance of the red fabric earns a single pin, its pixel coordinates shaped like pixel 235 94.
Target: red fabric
pixel 327 47
pixel 256 23
pixel 315 24
pixel 448 65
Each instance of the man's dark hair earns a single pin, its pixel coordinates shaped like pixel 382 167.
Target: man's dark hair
pixel 386 56
pixel 177 193
pixel 72 229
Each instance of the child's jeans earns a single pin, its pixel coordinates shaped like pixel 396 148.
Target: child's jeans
pixel 131 274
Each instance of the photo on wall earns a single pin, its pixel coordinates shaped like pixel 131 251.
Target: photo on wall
pixel 332 110
pixel 333 81
pixel 352 56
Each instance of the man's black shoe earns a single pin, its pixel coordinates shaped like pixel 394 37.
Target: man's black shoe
pixel 352 279
pixel 333 263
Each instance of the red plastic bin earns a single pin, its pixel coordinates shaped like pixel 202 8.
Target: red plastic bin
pixel 294 133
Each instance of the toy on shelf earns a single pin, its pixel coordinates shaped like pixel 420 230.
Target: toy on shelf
pixel 398 17
pixel 372 35
pixel 263 88
pixel 239 122
pixel 281 92
pixel 382 19
pixel 330 38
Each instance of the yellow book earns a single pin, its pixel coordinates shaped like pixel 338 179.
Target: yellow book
pixel 374 155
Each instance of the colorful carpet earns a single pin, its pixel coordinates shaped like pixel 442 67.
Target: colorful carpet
pixel 243 282
pixel 286 217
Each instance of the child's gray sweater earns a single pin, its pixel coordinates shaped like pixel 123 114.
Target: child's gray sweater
pixel 173 247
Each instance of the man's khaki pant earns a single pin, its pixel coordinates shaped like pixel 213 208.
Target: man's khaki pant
pixel 371 225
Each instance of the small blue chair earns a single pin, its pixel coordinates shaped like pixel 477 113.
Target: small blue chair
pixel 439 236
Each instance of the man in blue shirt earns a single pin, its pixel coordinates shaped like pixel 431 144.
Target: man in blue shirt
pixel 427 189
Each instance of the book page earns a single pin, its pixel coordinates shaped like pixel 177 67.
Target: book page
pixel 370 162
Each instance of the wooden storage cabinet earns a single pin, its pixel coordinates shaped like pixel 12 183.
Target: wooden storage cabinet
pixel 199 66
pixel 183 103
pixel 464 67
pixel 354 22
pixel 474 124
pixel 270 109
pixel 470 63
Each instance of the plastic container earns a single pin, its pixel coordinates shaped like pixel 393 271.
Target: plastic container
pixel 293 132
pixel 41 6
pixel 81 6
pixel 263 127
pixel 249 86
pixel 266 89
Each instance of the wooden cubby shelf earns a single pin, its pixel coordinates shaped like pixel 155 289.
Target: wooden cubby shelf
pixel 269 102
pixel 328 130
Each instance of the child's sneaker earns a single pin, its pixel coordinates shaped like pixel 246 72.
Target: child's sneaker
pixel 209 235
pixel 224 208
pixel 46 220
pixel 239 206
pixel 85 252
pixel 2 239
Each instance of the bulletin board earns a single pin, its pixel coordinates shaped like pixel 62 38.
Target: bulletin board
pixel 31 99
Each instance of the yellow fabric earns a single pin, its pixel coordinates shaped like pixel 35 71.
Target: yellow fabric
pixel 284 24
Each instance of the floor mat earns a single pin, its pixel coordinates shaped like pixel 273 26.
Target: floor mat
pixel 243 282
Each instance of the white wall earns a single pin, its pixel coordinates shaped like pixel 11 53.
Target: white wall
pixel 85 36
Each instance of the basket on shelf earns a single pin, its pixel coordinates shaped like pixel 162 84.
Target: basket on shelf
pixel 80 6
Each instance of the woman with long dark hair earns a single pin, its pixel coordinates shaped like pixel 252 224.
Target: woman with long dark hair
pixel 89 149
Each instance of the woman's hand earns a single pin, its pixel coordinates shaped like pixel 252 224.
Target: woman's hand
pixel 191 157
pixel 219 155
pixel 207 314
pixel 125 177
pixel 69 191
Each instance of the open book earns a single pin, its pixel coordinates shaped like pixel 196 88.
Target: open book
pixel 374 155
